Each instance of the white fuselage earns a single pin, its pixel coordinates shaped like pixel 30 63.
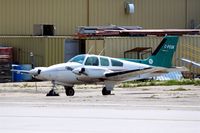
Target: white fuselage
pixel 68 73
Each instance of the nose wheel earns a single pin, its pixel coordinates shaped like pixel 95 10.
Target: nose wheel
pixel 69 91
pixel 52 92
pixel 105 91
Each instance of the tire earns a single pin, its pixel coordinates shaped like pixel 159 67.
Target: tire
pixel 105 91
pixel 52 93
pixel 69 91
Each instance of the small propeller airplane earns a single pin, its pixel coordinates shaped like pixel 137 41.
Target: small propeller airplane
pixel 93 69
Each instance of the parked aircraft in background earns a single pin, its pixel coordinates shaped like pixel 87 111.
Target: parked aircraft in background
pixel 92 69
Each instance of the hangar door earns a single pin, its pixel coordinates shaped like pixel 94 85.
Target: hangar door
pixel 73 47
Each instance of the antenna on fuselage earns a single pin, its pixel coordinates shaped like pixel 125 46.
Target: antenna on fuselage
pixel 102 51
pixel 90 49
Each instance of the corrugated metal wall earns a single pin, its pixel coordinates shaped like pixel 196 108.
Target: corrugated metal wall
pixel 50 50
pixel 47 50
pixel 23 46
pixel 116 46
pixel 188 47
pixel 193 13
pixel 148 13
pixel 95 47
pixel 18 16
pixel 54 48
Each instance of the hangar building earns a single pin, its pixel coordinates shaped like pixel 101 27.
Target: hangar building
pixel 20 20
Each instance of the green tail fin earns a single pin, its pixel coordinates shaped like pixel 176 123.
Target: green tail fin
pixel 163 54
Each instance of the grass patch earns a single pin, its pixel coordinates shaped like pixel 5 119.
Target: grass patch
pixel 177 97
pixel 25 85
pixel 16 85
pixel 179 89
pixel 153 96
pixel 159 83
pixel 145 89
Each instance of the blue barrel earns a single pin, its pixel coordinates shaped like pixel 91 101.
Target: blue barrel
pixel 18 77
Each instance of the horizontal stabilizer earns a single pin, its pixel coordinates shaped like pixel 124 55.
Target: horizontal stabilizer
pixel 190 62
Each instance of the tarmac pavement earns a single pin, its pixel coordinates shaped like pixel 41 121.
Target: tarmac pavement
pixel 23 109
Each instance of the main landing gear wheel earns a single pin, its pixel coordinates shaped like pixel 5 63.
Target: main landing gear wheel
pixel 69 91
pixel 52 93
pixel 105 91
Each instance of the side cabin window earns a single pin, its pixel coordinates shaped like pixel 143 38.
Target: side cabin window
pixel 116 63
pixel 92 61
pixel 104 61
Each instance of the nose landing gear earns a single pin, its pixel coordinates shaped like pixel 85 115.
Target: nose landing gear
pixel 52 92
pixel 105 91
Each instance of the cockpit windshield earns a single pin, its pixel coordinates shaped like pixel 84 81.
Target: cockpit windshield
pixel 78 59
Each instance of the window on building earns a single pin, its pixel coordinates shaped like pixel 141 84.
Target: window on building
pixel 116 63
pixel 92 61
pixel 104 61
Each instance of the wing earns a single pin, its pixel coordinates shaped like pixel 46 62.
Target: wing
pixel 135 74
pixel 118 76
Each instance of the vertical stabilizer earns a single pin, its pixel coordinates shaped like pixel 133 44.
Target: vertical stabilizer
pixel 163 54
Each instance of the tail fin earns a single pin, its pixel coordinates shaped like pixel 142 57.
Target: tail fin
pixel 163 54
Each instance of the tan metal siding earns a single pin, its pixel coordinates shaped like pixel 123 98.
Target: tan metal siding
pixel 47 50
pixel 18 16
pixel 193 13
pixel 50 50
pixel 54 48
pixel 95 47
pixel 65 14
pixel 148 13
pixel 90 46
pixel 23 46
pixel 188 47
pixel 13 14
pixel 115 47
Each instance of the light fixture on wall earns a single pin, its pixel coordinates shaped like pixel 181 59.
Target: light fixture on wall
pixel 129 7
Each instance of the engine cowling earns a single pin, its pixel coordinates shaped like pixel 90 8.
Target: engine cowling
pixel 35 72
pixel 79 71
